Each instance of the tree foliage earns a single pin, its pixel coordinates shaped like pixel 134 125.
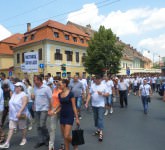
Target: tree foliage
pixel 103 53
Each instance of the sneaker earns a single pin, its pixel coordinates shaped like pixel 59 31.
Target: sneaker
pixel 5 146
pixel 106 113
pixel 51 146
pixel 111 110
pixel 80 117
pixel 23 142
pixel 30 128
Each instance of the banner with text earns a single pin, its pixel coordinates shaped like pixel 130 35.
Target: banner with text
pixel 31 61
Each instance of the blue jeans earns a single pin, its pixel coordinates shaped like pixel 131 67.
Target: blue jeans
pixel 145 103
pixel 109 100
pixel 78 102
pixel 98 113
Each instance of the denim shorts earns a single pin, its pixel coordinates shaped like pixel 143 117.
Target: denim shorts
pixel 78 102
pixel 109 100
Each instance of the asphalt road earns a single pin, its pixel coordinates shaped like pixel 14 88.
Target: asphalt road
pixel 126 129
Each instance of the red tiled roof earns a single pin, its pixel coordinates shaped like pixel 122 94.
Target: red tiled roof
pixel 6 44
pixel 60 26
pixel 47 29
pixel 5 49
pixel 14 39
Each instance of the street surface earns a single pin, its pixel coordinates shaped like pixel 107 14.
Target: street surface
pixel 125 129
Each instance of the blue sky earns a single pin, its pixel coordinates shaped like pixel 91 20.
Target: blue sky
pixel 140 23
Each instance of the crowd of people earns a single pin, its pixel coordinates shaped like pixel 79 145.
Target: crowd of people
pixel 60 100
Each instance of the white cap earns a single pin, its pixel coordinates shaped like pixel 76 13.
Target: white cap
pixel 19 84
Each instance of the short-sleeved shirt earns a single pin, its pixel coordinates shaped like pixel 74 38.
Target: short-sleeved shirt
pixel 43 97
pixel 84 82
pixel 76 88
pixel 109 84
pixel 98 100
pixel 122 86
pixel 15 104
pixel 145 89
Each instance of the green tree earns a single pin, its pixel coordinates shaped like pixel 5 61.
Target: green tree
pixel 103 53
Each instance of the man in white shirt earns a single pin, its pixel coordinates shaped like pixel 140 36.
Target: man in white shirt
pixel 108 100
pixel 122 88
pixel 97 94
pixel 145 92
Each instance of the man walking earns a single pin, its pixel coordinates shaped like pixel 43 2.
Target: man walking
pixel 78 91
pixel 97 94
pixel 145 92
pixel 42 100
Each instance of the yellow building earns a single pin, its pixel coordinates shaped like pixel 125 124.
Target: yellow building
pixel 56 44
pixel 6 53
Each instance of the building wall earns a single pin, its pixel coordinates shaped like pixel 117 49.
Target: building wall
pixel 51 65
pixel 6 61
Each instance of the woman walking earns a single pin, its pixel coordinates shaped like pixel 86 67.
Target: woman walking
pixel 17 114
pixel 54 115
pixel 67 113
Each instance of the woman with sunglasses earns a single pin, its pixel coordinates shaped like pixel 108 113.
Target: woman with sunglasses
pixel 54 115
pixel 67 113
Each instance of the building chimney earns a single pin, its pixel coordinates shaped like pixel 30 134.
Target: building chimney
pixel 88 26
pixel 28 27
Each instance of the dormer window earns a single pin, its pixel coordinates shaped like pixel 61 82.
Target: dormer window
pixel 82 40
pixel 56 34
pixel 66 37
pixel 32 37
pixel 74 39
pixel 25 38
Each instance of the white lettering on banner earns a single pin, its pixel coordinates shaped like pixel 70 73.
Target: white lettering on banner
pixel 31 61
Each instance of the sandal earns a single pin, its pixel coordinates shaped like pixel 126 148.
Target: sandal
pixel 62 147
pixel 101 137
pixel 96 133
pixel 2 138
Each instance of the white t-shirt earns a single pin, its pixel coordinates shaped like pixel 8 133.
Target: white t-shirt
pixel 135 82
pixel 29 92
pixel 84 83
pixel 98 100
pixel 122 86
pixel 15 104
pixel 145 89
pixel 109 84
pixel 1 100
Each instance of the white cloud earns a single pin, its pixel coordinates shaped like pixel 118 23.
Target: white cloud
pixel 4 33
pixel 131 22
pixel 89 14
pixel 155 45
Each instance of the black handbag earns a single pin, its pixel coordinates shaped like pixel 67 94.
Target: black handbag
pixel 148 99
pixel 78 136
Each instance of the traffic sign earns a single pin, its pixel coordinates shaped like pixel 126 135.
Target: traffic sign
pixel 10 73
pixel 42 66
pixel 128 72
pixel 63 74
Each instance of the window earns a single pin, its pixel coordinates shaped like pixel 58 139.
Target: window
pixel 32 50
pixel 25 38
pixel 57 55
pixel 82 40
pixel 32 37
pixel 83 57
pixel 74 39
pixel 66 37
pixel 68 55
pixel 68 74
pixel 23 58
pixel 40 54
pixel 77 56
pixel 56 34
pixel 58 74
pixel 18 58
pixel 77 73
